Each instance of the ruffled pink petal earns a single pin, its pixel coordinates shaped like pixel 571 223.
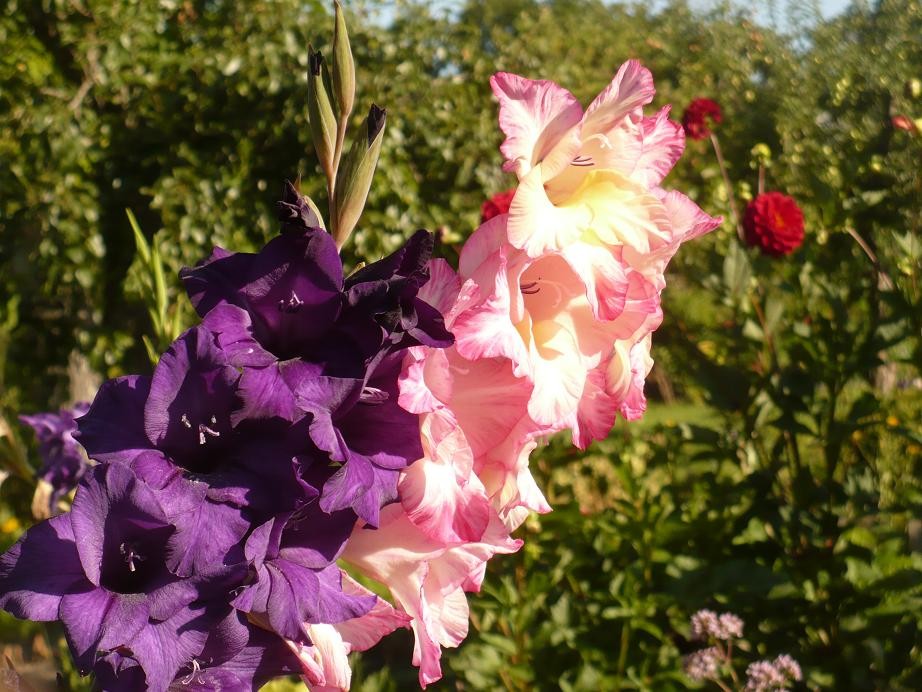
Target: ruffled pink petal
pixel 597 411
pixel 687 218
pixel 426 578
pixel 634 403
pixel 604 275
pixel 629 90
pixel 441 291
pixel 362 633
pixel 536 225
pixel 536 117
pixel 439 493
pixel 663 144
pixel 324 662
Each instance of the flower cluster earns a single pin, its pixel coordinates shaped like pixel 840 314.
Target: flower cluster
pixel 769 676
pixel 202 548
pixel 703 664
pixel 383 421
pixel 699 116
pixel 63 460
pixel 552 309
pixel 706 624
pixel 496 205
pixel 716 661
pixel 774 223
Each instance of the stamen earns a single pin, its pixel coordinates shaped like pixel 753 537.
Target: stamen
pixel 128 552
pixel 205 430
pixel 582 161
pixel 373 395
pixel 185 421
pixel 293 304
pixel 196 667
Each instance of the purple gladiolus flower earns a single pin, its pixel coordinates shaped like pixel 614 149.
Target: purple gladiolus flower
pixel 63 459
pixel 231 478
pixel 111 585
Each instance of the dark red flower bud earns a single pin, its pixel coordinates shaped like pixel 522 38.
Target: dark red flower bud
pixel 496 205
pixel 696 116
pixel 774 223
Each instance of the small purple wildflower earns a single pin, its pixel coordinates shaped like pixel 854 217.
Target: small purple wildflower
pixel 703 664
pixel 787 665
pixel 63 460
pixel 729 626
pixel 706 624
pixel 767 676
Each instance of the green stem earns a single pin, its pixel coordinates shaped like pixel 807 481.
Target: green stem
pixel 731 199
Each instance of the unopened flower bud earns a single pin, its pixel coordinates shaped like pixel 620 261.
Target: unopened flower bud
pixel 320 111
pixel 343 66
pixel 353 180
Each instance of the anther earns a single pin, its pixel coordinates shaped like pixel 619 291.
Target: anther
pixel 293 304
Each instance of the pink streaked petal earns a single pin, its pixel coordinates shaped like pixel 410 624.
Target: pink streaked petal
pixel 604 274
pixel 635 403
pixel 362 633
pixel 487 380
pixel 425 578
pixel 482 245
pixel 506 466
pixel 597 411
pixel 424 369
pixel 687 218
pixel 443 286
pixel 642 310
pixel 487 331
pixel 535 116
pixel 325 661
pixel 629 90
pixel 536 225
pixel 663 144
pixel 439 493
pixel 558 380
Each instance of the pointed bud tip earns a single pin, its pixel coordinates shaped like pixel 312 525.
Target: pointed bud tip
pixel 314 61
pixel 376 119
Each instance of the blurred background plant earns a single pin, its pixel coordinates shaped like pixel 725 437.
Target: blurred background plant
pixel 777 471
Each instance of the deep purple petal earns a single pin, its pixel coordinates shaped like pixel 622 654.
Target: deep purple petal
pixel 29 588
pixel 294 294
pixel 234 331
pixel 162 648
pixel 264 395
pixel 192 398
pixel 113 428
pixel 315 539
pixel 361 486
pixel 207 533
pixel 114 672
pixel 218 280
pixel 111 505
pixel 261 657
pixel 97 619
pixel 335 606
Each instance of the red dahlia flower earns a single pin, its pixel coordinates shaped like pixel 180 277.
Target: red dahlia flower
pixel 774 223
pixel 496 205
pixel 695 118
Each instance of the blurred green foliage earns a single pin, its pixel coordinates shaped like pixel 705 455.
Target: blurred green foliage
pixel 777 473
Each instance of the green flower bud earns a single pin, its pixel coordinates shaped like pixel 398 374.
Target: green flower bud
pixel 343 67
pixel 320 112
pixel 353 180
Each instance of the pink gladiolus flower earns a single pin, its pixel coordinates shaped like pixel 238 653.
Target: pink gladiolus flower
pixel 325 661
pixel 568 283
pixel 427 578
